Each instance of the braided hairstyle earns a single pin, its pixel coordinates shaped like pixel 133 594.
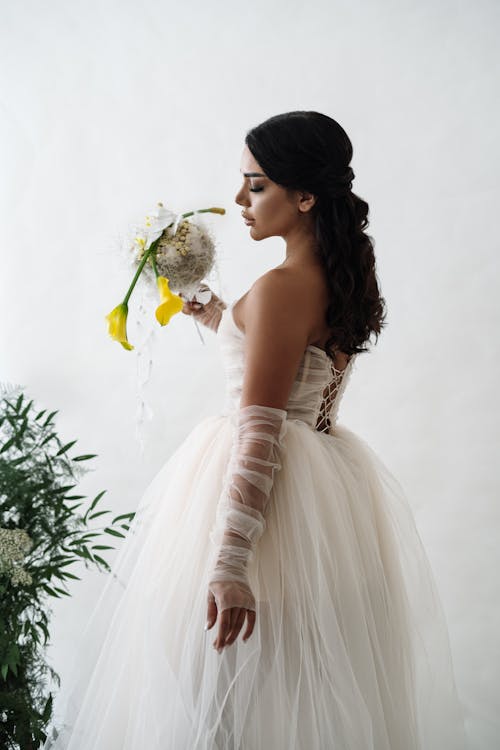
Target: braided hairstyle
pixel 311 152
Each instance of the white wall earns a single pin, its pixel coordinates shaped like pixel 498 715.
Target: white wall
pixel 107 107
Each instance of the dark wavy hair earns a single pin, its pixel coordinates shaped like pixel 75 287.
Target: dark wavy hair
pixel 310 151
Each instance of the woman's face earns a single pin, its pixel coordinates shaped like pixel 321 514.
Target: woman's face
pixel 272 208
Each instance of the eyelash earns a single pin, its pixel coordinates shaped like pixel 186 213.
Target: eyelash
pixel 256 190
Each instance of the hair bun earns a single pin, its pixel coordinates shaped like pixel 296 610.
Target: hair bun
pixel 336 185
pixel 341 185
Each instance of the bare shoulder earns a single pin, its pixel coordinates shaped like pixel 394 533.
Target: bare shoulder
pixel 276 333
pixel 282 294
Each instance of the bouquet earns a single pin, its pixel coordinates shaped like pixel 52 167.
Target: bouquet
pixel 175 254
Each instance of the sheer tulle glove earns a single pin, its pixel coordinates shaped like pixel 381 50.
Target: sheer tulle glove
pixel 240 514
pixel 208 314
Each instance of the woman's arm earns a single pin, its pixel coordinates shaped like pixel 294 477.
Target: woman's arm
pixel 276 335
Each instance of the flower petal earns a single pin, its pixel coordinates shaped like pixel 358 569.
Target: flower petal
pixel 117 325
pixel 171 303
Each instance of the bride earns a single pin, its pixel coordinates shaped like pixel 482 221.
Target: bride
pixel 273 591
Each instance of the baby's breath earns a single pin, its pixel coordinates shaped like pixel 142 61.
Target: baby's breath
pixel 14 544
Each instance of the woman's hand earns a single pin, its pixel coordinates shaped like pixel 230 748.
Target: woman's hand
pixel 231 621
pixel 190 307
pixel 209 314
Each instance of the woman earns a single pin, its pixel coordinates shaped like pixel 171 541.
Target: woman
pixel 273 521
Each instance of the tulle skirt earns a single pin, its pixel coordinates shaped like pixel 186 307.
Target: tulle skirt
pixel 350 649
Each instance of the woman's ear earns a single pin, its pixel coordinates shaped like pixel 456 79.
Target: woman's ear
pixel 306 201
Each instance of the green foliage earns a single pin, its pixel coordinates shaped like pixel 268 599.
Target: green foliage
pixel 41 535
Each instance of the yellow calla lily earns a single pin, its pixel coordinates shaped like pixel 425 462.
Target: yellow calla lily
pixel 170 303
pixel 117 325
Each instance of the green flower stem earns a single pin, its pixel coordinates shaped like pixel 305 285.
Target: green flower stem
pixel 139 270
pixel 198 211
pixel 153 247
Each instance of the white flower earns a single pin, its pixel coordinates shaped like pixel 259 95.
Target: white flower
pixel 14 544
pixel 21 577
pixel 156 221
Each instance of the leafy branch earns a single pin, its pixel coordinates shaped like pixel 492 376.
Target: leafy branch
pixel 42 533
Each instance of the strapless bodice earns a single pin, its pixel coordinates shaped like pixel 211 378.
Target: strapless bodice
pixel 316 391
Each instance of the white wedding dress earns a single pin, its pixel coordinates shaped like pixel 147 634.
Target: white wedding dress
pixel 350 649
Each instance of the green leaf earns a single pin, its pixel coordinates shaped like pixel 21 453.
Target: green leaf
pixel 62 591
pixel 101 546
pixel 94 503
pixel 5 669
pixel 50 591
pixel 40 414
pixel 57 574
pixel 26 409
pixel 52 414
pixel 13 656
pixel 19 460
pixel 102 561
pixel 46 713
pixel 40 624
pixel 74 507
pixel 84 553
pixel 66 447
pixel 123 515
pixel 84 457
pixel 8 444
pixel 114 532
pixel 63 489
pixel 99 513
pixel 23 429
pixel 96 499
pixel 49 437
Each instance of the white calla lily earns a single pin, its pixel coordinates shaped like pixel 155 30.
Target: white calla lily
pixel 157 220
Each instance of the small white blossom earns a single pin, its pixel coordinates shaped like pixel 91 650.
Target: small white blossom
pixel 14 544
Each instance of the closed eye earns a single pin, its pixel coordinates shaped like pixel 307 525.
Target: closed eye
pixel 256 190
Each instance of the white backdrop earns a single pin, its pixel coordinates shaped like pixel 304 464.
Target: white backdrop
pixel 108 107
